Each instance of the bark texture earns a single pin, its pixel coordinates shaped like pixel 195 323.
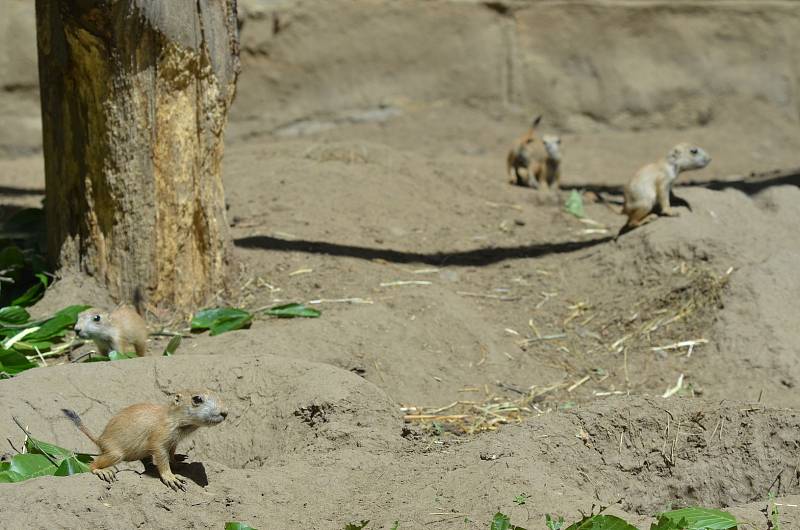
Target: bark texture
pixel 135 96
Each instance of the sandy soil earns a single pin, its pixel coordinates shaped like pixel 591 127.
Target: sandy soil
pixel 353 194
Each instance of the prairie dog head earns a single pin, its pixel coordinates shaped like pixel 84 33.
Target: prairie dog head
pixel 93 324
pixel 198 408
pixel 552 144
pixel 687 156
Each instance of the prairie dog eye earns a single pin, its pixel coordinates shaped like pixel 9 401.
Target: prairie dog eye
pixel 96 318
pixel 197 400
pixel 693 150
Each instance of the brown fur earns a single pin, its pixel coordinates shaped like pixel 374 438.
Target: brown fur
pixel 546 162
pixel 650 188
pixel 122 330
pixel 154 430
pixel 519 156
pixel 536 157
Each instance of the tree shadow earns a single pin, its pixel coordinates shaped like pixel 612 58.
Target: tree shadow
pixel 15 191
pixel 595 188
pixel 477 257
pixel 753 184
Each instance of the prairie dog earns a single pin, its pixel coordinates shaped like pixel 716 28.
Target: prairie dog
pixel 540 158
pixel 147 429
pixel 519 156
pixel 651 186
pixel 547 165
pixel 121 330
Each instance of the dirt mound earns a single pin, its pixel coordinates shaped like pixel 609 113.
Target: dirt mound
pixel 296 427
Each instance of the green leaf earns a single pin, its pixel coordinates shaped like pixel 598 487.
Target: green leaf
pixel 357 526
pixel 500 521
pixel 58 325
pixel 665 524
pixel 10 476
pixel 115 355
pixel 601 522
pixel 13 315
pixel 13 362
pixel 237 526
pixel 231 324
pixel 395 526
pixel 292 311
pixel 34 293
pixel 206 318
pixel 520 499
pixel 221 319
pixel 71 466
pixel 11 257
pixel 35 446
pixel 53 328
pixel 553 524
pixel 701 518
pixel 574 204
pixel 23 467
pixel 173 344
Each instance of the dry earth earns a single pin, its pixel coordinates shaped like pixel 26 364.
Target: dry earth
pixel 366 147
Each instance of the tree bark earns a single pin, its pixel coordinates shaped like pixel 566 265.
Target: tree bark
pixel 135 95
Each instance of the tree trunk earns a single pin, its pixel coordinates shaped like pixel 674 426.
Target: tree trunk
pixel 135 95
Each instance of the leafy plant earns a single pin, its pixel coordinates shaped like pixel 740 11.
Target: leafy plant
pixel 292 311
pixel 13 315
pixel 234 525
pixel 23 277
pixel 683 519
pixel 773 515
pixel 357 526
pixel 13 362
pixel 42 459
pixel 115 355
pixel 501 521
pixel 601 522
pixel 23 340
pixel 574 204
pixel 221 319
pixel 695 519
pixel 172 346
pixel 520 499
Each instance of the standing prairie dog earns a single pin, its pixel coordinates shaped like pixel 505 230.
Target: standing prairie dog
pixel 147 429
pixel 519 155
pixel 649 189
pixel 122 330
pixel 547 164
pixel 539 158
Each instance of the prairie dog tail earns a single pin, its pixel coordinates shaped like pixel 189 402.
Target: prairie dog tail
pixel 138 300
pixel 72 415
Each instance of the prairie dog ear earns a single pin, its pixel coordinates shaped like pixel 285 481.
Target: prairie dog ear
pixel 536 121
pixel 674 154
pixel 177 398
